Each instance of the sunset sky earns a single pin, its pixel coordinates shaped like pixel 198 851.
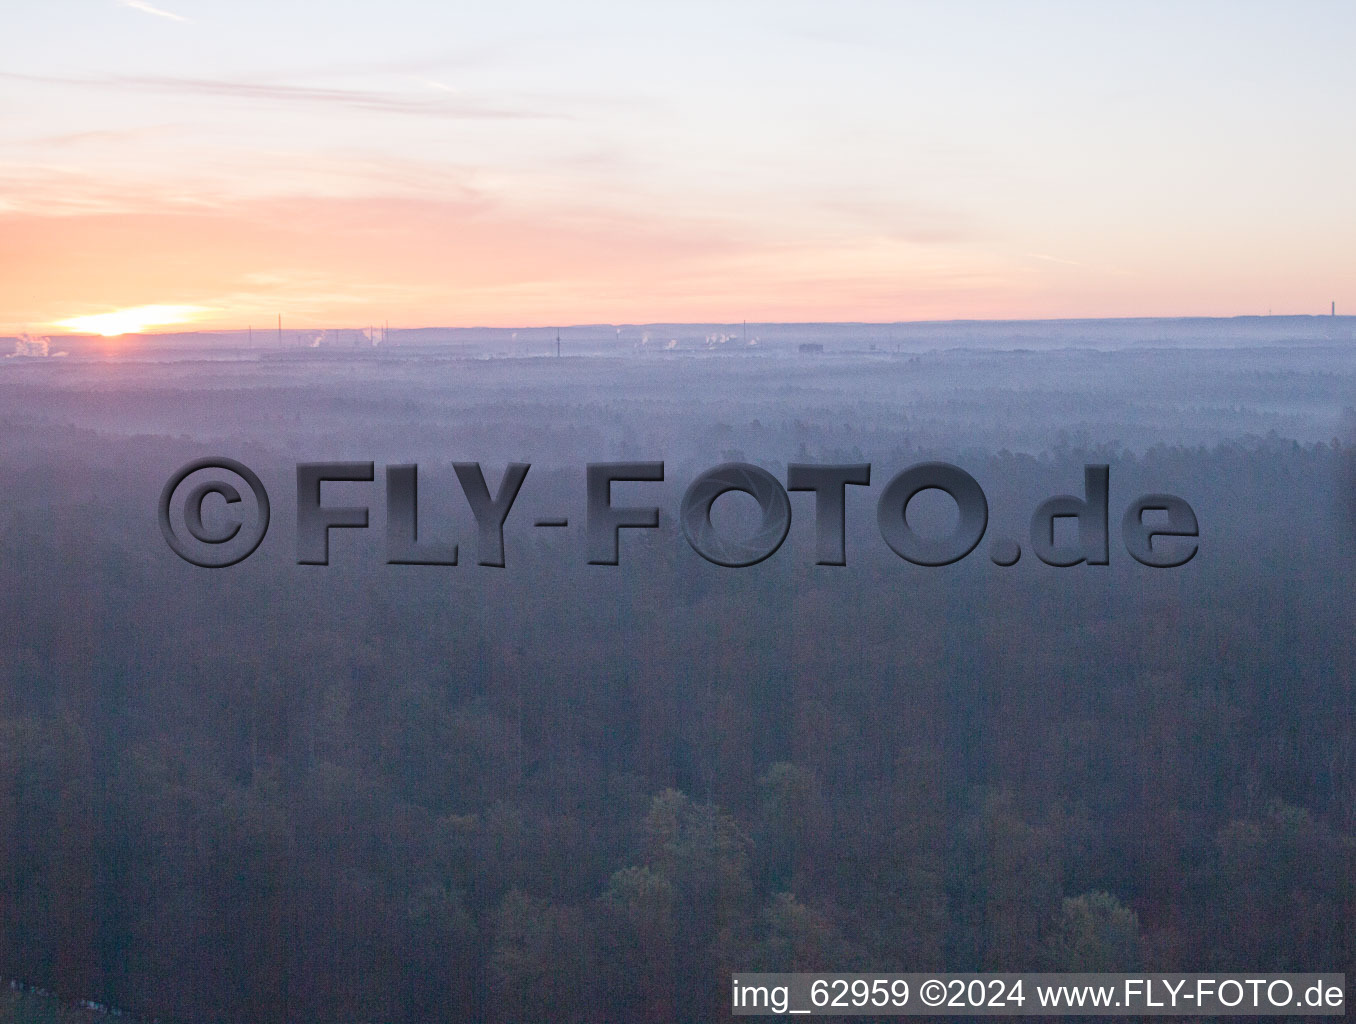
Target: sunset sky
pixel 346 163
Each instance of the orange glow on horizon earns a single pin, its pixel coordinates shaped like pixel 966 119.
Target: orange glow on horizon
pixel 131 321
pixel 338 262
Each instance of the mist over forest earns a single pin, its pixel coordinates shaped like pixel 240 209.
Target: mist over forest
pixel 361 791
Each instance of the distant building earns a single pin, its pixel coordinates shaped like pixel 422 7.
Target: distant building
pixel 811 347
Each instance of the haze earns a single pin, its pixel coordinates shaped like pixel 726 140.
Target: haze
pixel 530 163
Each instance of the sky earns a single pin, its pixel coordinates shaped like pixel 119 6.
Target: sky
pixel 350 163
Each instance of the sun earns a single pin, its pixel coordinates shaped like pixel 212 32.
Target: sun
pixel 131 321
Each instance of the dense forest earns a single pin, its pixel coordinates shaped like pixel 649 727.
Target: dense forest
pixel 363 792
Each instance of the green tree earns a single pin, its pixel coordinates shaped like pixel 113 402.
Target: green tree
pixel 1095 932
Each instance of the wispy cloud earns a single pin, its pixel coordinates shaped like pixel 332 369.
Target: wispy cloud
pixel 355 99
pixel 1054 259
pixel 66 140
pixel 450 106
pixel 145 8
pixel 433 83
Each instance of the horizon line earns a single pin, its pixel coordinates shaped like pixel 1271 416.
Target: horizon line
pixel 1178 318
